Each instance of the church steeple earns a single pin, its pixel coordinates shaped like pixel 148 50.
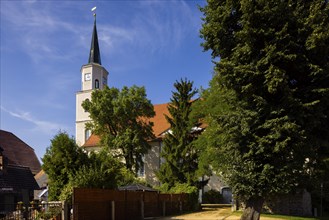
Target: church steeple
pixel 94 55
pixel 93 77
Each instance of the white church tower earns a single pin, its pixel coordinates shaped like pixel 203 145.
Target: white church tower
pixel 93 76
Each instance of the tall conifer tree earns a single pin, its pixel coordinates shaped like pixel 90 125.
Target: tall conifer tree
pixel 178 152
pixel 268 100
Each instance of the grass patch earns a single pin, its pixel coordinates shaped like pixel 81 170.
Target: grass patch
pixel 288 217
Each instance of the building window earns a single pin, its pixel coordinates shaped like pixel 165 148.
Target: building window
pixel 161 159
pixel 1 162
pixel 141 170
pixel 87 134
pixel 96 84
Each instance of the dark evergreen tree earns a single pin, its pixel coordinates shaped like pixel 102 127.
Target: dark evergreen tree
pixel 267 105
pixel 179 154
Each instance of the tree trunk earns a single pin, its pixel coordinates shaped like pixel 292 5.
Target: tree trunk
pixel 253 209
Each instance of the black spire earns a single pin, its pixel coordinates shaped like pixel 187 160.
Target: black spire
pixel 94 55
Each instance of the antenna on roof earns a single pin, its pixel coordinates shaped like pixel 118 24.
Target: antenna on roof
pixel 94 10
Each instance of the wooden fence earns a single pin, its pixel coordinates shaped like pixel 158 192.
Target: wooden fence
pixel 125 205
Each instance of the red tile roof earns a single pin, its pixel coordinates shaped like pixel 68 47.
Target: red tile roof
pixel 160 124
pixel 18 152
pixel 92 141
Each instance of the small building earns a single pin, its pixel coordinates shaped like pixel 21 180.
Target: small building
pixel 18 165
pixel 42 180
pixel 17 184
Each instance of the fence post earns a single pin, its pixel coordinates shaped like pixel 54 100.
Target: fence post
pixel 64 210
pixel 164 208
pixel 113 210
pixel 171 204
pixel 125 212
pixel 142 205
pixel 180 203
pixel 158 203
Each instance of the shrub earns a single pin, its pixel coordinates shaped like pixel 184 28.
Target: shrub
pixel 212 197
pixel 191 191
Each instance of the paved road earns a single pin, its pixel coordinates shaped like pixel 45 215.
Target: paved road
pixel 212 214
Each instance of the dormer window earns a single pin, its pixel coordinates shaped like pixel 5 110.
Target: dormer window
pixel 96 84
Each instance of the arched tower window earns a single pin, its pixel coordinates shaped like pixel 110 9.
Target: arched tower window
pixel 87 134
pixel 96 84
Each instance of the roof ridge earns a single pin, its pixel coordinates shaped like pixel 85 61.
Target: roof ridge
pixel 8 132
pixel 18 166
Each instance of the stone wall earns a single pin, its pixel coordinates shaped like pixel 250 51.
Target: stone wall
pixel 298 203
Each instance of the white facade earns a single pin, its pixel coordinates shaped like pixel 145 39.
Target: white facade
pixel 93 76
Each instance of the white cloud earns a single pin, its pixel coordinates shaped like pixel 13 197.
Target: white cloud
pixel 162 25
pixel 45 127
pixel 153 27
pixel 39 31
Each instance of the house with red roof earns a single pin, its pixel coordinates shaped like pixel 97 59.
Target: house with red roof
pixel 152 160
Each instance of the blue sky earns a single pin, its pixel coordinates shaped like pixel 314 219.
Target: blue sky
pixel 45 43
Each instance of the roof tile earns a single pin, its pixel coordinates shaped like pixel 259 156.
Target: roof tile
pixel 17 178
pixel 18 152
pixel 160 125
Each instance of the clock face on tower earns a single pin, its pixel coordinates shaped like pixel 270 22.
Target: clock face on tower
pixel 87 76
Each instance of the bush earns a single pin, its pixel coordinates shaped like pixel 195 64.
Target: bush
pixel 212 197
pixel 50 213
pixel 191 191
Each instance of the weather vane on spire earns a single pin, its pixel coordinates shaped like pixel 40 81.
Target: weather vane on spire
pixel 94 10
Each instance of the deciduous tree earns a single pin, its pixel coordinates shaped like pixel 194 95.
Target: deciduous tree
pixel 267 105
pixel 62 159
pixel 101 171
pixel 120 119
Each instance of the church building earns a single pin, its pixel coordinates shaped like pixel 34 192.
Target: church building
pixel 95 76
